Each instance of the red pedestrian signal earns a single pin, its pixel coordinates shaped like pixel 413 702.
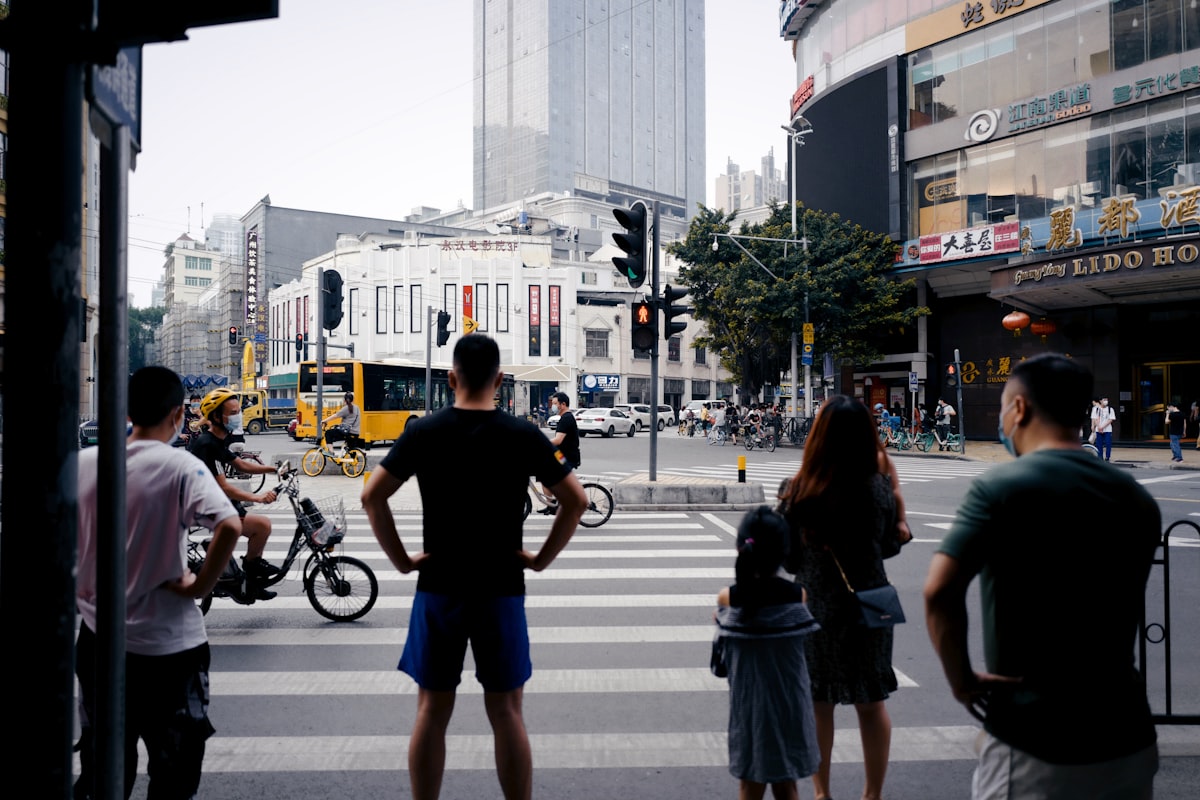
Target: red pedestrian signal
pixel 951 376
pixel 233 334
pixel 644 328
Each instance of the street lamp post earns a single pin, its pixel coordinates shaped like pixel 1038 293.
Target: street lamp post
pixel 796 131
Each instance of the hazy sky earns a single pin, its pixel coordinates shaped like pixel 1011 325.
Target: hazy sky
pixel 364 107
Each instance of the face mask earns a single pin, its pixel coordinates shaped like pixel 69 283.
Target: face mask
pixel 233 423
pixel 195 408
pixel 554 408
pixel 1008 443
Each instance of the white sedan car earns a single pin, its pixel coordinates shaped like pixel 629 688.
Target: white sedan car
pixel 604 421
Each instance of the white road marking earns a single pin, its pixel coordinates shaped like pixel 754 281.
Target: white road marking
pixel 720 523
pixel 625 750
pixel 547 681
pixel 344 636
pixel 531 602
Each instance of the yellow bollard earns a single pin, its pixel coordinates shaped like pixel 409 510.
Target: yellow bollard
pixel 741 469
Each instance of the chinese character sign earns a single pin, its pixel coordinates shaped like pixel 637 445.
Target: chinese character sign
pixel 1116 215
pixel 468 302
pixel 1063 233
pixel 984 241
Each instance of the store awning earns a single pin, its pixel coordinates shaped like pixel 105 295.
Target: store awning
pixel 554 373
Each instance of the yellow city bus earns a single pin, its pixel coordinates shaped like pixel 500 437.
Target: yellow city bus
pixel 388 393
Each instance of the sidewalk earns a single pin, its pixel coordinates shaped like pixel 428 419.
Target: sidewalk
pixel 1155 456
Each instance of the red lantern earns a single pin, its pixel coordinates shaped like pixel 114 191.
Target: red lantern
pixel 1043 328
pixel 1014 321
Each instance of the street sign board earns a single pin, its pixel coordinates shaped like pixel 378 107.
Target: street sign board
pixel 469 326
pixel 806 356
pixel 809 337
pixel 912 381
pixel 116 93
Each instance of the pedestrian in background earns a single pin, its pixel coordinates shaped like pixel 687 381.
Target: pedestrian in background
pixel 167 657
pixel 1105 417
pixel 846 513
pixel 471 586
pixel 1175 427
pixel 1062 568
pixel 1194 421
pixel 763 622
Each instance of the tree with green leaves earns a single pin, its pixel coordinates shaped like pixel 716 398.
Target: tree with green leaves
pixel 144 324
pixel 855 304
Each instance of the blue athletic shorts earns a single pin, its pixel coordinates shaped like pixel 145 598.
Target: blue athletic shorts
pixel 440 627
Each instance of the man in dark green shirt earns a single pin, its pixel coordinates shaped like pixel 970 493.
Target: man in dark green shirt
pixel 1062 544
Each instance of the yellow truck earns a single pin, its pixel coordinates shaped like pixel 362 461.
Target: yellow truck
pixel 261 413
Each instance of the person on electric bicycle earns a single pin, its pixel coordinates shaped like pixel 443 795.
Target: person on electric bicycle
pixel 221 409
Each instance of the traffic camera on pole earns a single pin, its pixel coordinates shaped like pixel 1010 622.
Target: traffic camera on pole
pixel 331 300
pixel 443 329
pixel 233 334
pixel 644 332
pixel 671 311
pixel 951 376
pixel 632 242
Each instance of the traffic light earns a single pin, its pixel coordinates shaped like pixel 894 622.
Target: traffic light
pixel 633 243
pixel 671 311
pixel 331 299
pixel 443 333
pixel 299 345
pixel 644 332
pixel 951 376
pixel 233 334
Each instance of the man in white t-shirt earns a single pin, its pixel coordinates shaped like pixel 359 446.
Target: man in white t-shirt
pixel 166 648
pixel 1103 425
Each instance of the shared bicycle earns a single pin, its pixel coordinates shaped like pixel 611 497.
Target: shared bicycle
pixel 250 482
pixel 599 503
pixel 346 453
pixel 339 587
pixel 927 439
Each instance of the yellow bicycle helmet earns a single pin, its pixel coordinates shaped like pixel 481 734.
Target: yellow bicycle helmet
pixel 214 400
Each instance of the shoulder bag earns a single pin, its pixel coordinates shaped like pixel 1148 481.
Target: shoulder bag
pixel 877 608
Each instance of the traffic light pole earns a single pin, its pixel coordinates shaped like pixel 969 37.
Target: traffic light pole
pixel 654 351
pixel 428 354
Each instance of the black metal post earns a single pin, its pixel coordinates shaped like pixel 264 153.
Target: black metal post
pixel 41 384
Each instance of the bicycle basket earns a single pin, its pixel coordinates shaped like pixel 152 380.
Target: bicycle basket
pixel 323 521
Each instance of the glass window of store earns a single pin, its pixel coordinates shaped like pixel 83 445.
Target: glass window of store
pixel 1065 167
pixel 1165 144
pixel 1002 63
pixel 1129 152
pixel 1094 51
pixel 1128 33
pixel 1191 166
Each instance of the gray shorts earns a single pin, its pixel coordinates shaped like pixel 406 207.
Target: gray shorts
pixel 1005 772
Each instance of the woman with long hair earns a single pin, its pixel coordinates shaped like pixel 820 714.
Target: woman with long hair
pixel 846 515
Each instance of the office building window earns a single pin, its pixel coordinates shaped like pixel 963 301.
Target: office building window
pixel 481 306
pixel 701 354
pixel 397 309
pixel 381 293
pixel 353 311
pixel 673 349
pixel 416 309
pixel 595 344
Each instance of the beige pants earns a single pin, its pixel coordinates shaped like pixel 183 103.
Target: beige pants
pixel 1005 773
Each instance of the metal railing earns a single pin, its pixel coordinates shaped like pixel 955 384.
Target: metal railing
pixel 1159 633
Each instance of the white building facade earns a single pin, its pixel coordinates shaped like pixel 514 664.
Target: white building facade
pixel 561 325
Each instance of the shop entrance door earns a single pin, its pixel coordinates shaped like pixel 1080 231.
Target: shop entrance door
pixel 1157 384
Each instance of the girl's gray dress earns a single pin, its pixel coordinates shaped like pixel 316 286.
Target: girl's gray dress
pixel 772 736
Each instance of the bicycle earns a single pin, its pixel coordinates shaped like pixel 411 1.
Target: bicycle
pixel 763 439
pixel 926 439
pixel 232 473
pixel 345 453
pixel 719 436
pixel 340 588
pixel 599 503
pixel 795 430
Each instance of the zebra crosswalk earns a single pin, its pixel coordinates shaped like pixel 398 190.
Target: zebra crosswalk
pixel 620 627
pixel 771 473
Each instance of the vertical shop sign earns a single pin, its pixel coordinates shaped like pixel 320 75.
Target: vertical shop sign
pixel 256 319
pixel 555 322
pixel 535 320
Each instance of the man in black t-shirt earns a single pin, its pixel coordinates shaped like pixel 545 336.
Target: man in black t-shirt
pixel 566 436
pixel 471 585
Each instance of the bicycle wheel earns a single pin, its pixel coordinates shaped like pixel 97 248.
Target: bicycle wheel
pixel 769 440
pixel 245 481
pixel 354 463
pixel 749 441
pixel 341 588
pixel 313 463
pixel 923 442
pixel 599 506
pixel 528 506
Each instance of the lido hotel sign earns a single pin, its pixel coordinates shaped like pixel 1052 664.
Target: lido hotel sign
pixel 1096 267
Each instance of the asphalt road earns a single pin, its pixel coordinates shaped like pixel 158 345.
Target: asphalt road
pixel 621 704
